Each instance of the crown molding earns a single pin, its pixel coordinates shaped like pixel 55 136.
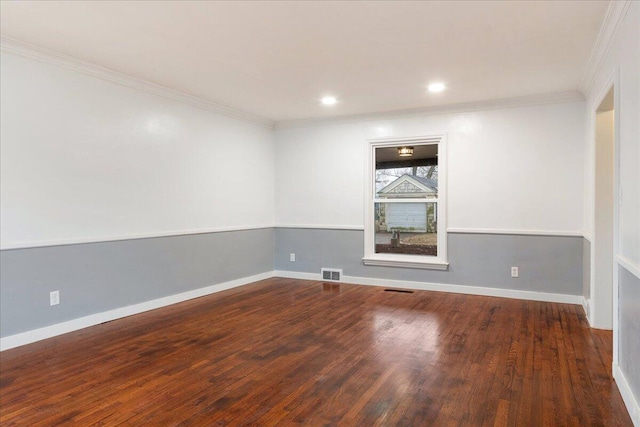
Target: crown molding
pixel 467 107
pixel 52 57
pixel 611 24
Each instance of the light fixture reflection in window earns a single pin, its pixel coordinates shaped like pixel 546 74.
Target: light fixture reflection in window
pixel 405 151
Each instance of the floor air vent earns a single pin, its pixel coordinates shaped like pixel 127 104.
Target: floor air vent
pixel 331 274
pixel 402 291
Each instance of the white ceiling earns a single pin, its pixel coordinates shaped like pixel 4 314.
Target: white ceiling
pixel 277 59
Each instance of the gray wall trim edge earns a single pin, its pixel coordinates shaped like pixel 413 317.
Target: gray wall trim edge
pixel 452 230
pixel 32 336
pixel 627 394
pixel 628 265
pixel 66 242
pixel 84 241
pixel 517 232
pixel 626 370
pixel 443 287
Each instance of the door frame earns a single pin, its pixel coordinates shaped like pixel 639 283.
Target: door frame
pixel 612 82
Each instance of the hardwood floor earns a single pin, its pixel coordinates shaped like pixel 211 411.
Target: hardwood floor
pixel 293 352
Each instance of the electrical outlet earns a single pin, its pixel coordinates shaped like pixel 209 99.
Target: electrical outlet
pixel 292 257
pixel 514 272
pixel 54 298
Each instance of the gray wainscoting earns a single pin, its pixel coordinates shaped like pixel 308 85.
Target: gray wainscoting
pixel 586 269
pixel 97 277
pixel 552 264
pixel 629 321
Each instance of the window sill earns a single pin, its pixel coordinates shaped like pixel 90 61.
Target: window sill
pixel 410 261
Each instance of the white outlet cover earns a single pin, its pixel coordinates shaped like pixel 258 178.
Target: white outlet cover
pixel 54 298
pixel 514 272
pixel 292 257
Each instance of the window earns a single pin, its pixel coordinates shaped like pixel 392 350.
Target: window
pixel 406 202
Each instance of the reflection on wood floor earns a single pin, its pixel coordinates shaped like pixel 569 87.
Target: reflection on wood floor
pixel 294 352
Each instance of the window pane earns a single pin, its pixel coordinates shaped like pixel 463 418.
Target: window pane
pixel 407 176
pixel 406 228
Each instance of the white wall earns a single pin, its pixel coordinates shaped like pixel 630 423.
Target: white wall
pixel 623 56
pixel 87 159
pixel 621 65
pixel 516 168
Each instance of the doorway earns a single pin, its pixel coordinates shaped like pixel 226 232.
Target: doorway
pixel 603 283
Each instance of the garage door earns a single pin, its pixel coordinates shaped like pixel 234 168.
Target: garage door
pixel 407 216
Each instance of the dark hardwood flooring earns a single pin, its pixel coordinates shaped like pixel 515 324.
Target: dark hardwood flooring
pixel 292 352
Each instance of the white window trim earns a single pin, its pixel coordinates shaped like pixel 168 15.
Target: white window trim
pixel 399 260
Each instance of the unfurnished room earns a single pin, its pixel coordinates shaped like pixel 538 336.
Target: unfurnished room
pixel 320 213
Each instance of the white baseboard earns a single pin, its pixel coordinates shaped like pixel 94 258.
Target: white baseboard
pixel 32 336
pixel 585 307
pixel 106 316
pixel 441 287
pixel 627 395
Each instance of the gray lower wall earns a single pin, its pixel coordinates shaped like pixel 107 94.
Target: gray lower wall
pixel 586 269
pixel 551 264
pixel 97 277
pixel 629 321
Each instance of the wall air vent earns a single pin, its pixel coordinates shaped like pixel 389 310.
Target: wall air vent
pixel 331 274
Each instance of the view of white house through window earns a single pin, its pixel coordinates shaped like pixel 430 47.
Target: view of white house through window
pixel 405 208
pixel 406 200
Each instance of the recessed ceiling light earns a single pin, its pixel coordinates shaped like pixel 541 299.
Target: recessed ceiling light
pixel 329 100
pixel 436 87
